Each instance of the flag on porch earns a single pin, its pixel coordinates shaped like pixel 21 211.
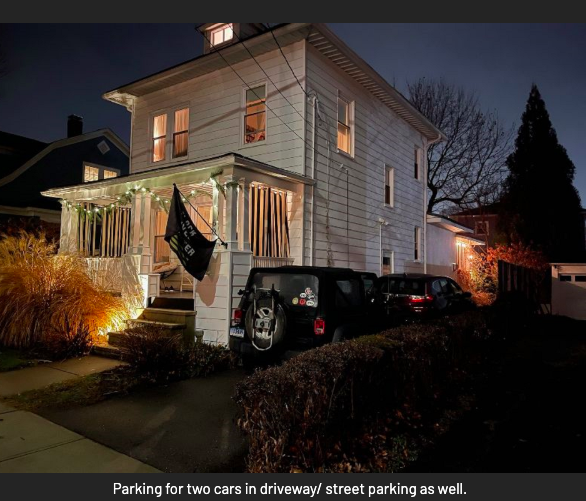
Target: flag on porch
pixel 193 249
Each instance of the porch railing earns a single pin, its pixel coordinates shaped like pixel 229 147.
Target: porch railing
pixel 106 272
pixel 271 262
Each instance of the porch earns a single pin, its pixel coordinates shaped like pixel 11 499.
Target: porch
pixel 118 225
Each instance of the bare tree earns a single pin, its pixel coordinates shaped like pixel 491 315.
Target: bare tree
pixel 468 168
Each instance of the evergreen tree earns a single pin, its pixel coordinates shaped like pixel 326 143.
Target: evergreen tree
pixel 540 206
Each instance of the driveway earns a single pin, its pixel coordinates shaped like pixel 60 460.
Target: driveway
pixel 184 427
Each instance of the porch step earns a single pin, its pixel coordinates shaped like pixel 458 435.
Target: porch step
pixel 172 326
pixel 107 351
pixel 115 339
pixel 168 315
pixel 174 303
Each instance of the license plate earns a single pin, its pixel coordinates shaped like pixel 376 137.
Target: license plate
pixel 236 332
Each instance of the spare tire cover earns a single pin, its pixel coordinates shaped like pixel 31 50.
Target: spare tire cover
pixel 267 328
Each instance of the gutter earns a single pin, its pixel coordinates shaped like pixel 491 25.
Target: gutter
pixel 438 139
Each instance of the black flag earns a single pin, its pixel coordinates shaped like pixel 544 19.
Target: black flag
pixel 192 248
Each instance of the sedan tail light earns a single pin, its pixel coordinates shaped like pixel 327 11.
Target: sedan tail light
pixel 319 326
pixel 428 298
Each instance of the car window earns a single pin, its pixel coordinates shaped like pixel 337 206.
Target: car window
pixel 368 284
pixel 436 286
pixel 455 287
pixel 444 285
pixel 348 294
pixel 298 290
pixel 402 286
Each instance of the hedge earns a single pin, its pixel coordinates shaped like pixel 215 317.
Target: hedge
pixel 352 406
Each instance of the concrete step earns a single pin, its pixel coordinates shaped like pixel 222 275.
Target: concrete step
pixel 172 326
pixel 166 315
pixel 115 338
pixel 107 351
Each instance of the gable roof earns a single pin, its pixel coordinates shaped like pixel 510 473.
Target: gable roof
pixel 60 144
pixel 15 150
pixel 318 35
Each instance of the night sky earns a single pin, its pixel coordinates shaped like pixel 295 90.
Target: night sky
pixel 57 70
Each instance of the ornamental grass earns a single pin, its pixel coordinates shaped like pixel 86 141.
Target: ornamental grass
pixel 48 300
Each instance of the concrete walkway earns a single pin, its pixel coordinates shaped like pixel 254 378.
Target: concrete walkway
pixel 33 378
pixel 31 444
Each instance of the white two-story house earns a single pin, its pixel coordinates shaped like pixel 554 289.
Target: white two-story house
pixel 284 141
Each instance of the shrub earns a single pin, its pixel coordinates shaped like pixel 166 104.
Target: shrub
pixel 48 299
pixel 158 356
pixel 482 277
pixel 347 406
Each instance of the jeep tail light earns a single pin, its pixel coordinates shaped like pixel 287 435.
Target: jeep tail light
pixel 319 326
pixel 428 298
pixel 236 316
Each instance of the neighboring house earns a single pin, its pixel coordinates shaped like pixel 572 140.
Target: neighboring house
pixel 568 290
pixel 451 245
pixel 288 143
pixel 28 167
pixel 483 221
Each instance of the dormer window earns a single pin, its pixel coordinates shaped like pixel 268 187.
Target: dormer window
pixel 221 34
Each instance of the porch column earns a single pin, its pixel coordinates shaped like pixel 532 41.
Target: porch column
pixel 244 214
pixel 231 235
pixel 217 211
pixel 69 230
pixel 141 230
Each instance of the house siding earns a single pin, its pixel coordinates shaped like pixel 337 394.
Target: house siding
pixel 216 110
pixel 346 231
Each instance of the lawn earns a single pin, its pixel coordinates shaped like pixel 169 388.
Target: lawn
pixel 11 359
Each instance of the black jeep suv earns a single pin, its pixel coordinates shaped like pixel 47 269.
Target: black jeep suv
pixel 296 307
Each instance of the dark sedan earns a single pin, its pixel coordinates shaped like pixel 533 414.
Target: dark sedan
pixel 413 295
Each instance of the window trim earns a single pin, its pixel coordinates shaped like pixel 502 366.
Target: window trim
pixel 391 255
pixel 245 88
pixel 170 112
pixel 350 124
pixel 388 169
pixel 101 169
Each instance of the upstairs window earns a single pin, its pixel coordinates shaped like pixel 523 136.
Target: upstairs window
pixel 389 186
pixel 417 244
pixel 159 137
pixel 481 227
pixel 96 173
pixel 255 118
pixel 181 133
pixel 344 125
pixel 222 34
pixel 109 174
pixel 90 173
pixel 417 163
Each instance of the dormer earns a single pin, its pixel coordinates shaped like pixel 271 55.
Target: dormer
pixel 219 35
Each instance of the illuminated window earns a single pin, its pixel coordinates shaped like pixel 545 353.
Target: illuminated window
pixel 389 186
pixel 90 173
pixel 222 34
pixel 344 126
pixel 255 118
pixel 159 137
pixel 417 244
pixel 181 133
pixel 109 174
pixel 417 163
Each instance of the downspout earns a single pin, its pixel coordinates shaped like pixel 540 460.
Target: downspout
pixel 425 167
pixel 313 168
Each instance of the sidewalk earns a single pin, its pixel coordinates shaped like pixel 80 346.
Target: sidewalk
pixel 33 378
pixel 31 444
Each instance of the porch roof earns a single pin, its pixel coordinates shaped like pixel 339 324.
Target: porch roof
pixel 185 173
